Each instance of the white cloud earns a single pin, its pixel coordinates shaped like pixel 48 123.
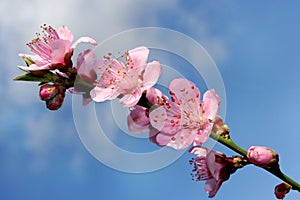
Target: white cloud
pixel 42 132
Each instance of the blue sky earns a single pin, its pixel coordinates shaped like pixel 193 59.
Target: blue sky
pixel 255 46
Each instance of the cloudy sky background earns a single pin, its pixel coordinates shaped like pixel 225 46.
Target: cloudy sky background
pixel 255 46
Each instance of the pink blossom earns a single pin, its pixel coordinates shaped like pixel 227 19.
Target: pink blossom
pixel 260 155
pixel 87 65
pixel 185 119
pixel 138 119
pixel 210 166
pixel 126 80
pixel 53 49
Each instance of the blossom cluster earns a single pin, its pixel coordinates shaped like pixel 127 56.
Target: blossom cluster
pixel 52 65
pixel 179 120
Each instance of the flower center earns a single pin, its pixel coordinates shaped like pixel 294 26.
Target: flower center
pixel 191 120
pixel 41 44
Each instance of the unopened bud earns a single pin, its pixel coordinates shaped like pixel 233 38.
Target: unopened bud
pixel 56 102
pixel 48 91
pixel 220 128
pixel 262 156
pixel 281 190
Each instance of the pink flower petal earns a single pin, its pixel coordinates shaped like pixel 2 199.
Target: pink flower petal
pixel 130 100
pixel 87 64
pixel 153 94
pixel 186 91
pixel 214 166
pixel 137 120
pixel 139 56
pixel 61 73
pixel 81 58
pixel 211 162
pixel 169 119
pixel 203 135
pixel 35 67
pixel 199 151
pixel 162 139
pixel 158 117
pixel 65 34
pixel 83 39
pixel 130 82
pixel 135 128
pixel 211 103
pixel 182 139
pixel 212 186
pixel 151 74
pixel 35 58
pixel 58 50
pixel 99 94
pixel 108 71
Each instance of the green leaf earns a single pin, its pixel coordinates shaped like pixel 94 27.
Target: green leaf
pixel 31 77
pixel 27 61
pixel 38 76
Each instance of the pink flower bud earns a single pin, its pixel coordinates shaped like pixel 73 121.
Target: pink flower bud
pixel 56 102
pixel 137 120
pixel 48 91
pixel 281 190
pixel 260 156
